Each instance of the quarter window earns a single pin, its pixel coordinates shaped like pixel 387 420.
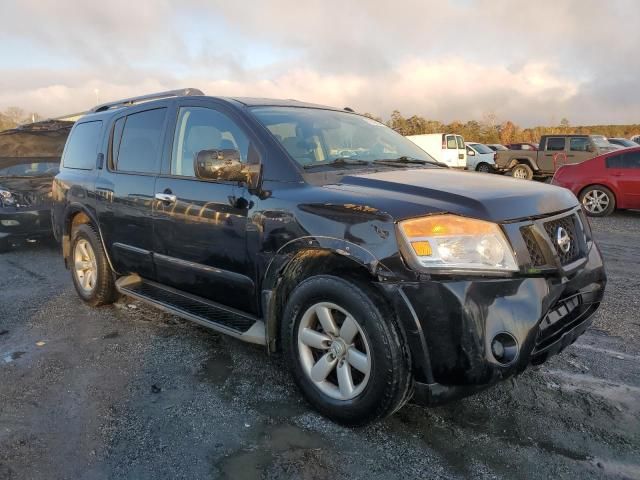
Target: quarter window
pixel 200 128
pixel 555 144
pixel 137 141
pixel 579 144
pixel 82 147
pixel 625 160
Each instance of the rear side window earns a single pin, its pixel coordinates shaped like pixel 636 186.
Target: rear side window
pixel 626 160
pixel 137 142
pixel 555 144
pixel 579 144
pixel 82 147
pixel 460 142
pixel 451 142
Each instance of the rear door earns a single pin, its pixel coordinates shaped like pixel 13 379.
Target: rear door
pixel 553 153
pixel 579 150
pixel 125 189
pixel 200 230
pixel 625 170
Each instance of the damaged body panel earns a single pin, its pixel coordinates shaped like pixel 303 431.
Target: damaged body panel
pixel 29 159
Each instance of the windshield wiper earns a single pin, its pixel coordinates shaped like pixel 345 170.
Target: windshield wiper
pixel 338 162
pixel 404 160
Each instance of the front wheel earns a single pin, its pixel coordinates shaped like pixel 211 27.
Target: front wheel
pixel 346 352
pixel 90 270
pixel 522 171
pixel 598 201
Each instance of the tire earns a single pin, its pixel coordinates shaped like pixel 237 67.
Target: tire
pixel 5 246
pixel 598 201
pixel 483 168
pixel 96 285
pixel 386 387
pixel 522 171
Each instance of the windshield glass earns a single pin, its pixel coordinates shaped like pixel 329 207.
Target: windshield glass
pixel 600 141
pixel 29 169
pixel 314 136
pixel 480 148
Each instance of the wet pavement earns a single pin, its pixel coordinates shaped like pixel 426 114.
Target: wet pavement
pixel 128 392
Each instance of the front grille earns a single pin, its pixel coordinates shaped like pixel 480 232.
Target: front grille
pixel 535 252
pixel 569 225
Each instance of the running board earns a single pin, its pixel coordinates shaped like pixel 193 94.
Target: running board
pixel 197 309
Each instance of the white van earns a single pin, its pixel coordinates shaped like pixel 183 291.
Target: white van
pixel 443 147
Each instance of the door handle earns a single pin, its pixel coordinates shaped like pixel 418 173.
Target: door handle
pixel 166 197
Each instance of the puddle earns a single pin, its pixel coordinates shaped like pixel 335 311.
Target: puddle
pixel 216 369
pixel 13 356
pixel 286 451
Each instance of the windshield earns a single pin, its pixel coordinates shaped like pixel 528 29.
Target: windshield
pixel 600 141
pixel 480 148
pixel 30 169
pixel 315 137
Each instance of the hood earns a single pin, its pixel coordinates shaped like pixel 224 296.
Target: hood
pixel 28 191
pixel 414 192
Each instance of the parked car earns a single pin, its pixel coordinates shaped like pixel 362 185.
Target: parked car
pixel 523 146
pixel 635 138
pixel 622 142
pixel 604 183
pixel 496 146
pixel 29 159
pixel 443 147
pixel 380 276
pixel 555 151
pixel 480 158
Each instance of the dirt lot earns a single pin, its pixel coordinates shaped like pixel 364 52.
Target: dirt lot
pixel 128 392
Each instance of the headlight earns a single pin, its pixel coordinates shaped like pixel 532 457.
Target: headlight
pixel 449 242
pixel 6 198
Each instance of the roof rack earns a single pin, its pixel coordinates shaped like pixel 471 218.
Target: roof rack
pixel 184 92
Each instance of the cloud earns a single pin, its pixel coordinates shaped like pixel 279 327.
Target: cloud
pixel 526 61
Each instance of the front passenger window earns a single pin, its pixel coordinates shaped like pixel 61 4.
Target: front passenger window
pixel 200 128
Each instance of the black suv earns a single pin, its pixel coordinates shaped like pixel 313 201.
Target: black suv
pixel 324 234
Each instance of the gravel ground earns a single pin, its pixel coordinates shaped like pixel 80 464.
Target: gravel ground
pixel 128 392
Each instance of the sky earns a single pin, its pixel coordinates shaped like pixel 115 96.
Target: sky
pixel 530 61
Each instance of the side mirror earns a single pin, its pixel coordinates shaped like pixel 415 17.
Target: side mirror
pixel 223 164
pixel 471 153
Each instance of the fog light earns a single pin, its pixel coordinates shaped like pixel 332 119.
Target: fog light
pixel 504 348
pixel 9 223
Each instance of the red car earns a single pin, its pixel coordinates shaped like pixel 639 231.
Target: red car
pixel 604 183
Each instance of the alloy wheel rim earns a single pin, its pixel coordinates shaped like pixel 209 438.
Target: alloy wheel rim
pixel 85 265
pixel 334 352
pixel 596 201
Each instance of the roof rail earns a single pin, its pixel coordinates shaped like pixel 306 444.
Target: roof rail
pixel 183 92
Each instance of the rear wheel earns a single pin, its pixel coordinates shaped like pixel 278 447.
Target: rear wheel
pixel 90 270
pixel 483 168
pixel 345 351
pixel 598 201
pixel 522 171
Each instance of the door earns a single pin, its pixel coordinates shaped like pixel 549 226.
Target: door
pixel 450 153
pixel 554 152
pixel 579 150
pixel 625 172
pixel 200 225
pixel 125 190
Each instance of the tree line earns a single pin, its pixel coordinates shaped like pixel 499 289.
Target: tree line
pixel 487 130
pixel 490 130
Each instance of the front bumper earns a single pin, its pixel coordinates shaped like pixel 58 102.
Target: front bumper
pixel 32 222
pixel 450 325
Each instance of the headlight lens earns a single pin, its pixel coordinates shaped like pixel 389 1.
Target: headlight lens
pixel 6 198
pixel 456 243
